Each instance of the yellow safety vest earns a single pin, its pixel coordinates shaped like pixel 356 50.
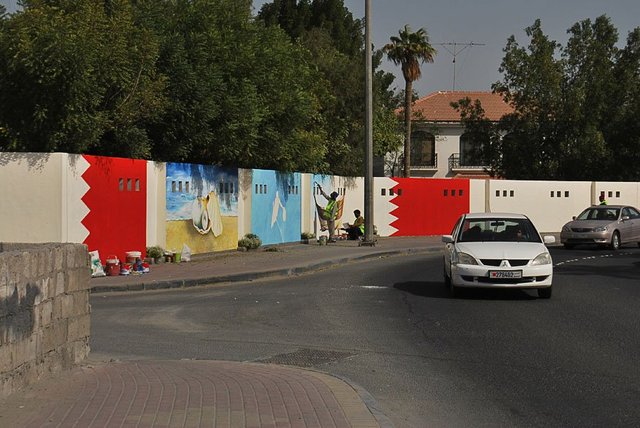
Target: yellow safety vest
pixel 328 210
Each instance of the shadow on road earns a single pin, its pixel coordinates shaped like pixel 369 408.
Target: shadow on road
pixel 437 290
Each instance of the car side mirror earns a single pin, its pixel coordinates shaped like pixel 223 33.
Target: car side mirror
pixel 447 239
pixel 625 217
pixel 549 239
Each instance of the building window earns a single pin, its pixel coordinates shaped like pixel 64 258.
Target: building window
pixel 423 149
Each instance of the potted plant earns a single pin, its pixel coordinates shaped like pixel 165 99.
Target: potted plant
pixel 154 254
pixel 305 237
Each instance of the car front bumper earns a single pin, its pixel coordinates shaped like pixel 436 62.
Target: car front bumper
pixel 477 276
pixel 576 238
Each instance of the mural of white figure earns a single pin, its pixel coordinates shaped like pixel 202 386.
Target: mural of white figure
pixel 275 210
pixel 206 214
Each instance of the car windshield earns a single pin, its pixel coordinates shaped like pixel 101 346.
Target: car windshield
pixel 498 229
pixel 599 213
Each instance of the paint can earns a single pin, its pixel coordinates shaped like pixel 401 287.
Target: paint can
pixel 133 256
pixel 113 266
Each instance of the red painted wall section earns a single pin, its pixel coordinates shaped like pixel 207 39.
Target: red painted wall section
pixel 117 202
pixel 428 206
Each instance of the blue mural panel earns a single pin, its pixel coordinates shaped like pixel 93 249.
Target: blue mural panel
pixel 275 206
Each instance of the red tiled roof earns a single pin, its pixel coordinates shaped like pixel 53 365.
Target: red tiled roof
pixel 436 107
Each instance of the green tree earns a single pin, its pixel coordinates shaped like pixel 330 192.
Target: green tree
pixel 334 40
pixel 408 50
pixel 589 60
pixel 533 84
pixel 78 77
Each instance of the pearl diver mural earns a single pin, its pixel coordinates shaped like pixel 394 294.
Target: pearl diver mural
pixel 202 207
pixel 275 206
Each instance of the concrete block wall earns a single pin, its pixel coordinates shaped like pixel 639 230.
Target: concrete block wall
pixel 44 311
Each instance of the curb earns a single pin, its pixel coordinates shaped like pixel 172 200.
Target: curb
pixel 252 276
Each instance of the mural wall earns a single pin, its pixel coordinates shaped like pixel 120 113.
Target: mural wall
pixel 117 203
pixel 202 207
pixel 427 206
pixel 275 206
pixel 350 197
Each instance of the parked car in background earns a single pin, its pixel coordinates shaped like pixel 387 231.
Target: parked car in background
pixel 496 250
pixel 603 225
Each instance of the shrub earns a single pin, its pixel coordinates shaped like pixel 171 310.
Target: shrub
pixel 307 235
pixel 155 252
pixel 250 242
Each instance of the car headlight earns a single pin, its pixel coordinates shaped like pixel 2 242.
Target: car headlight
pixel 465 259
pixel 542 259
pixel 601 229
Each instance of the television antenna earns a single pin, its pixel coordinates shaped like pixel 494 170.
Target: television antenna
pixel 455 49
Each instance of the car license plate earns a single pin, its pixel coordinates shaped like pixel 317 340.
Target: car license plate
pixel 505 274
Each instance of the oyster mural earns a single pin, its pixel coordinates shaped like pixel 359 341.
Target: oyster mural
pixel 202 203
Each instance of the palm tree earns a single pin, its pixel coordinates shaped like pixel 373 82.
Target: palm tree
pixel 408 50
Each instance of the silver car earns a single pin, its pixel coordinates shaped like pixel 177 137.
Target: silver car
pixel 604 225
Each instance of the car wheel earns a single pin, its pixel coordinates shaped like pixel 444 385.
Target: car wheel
pixel 544 293
pixel 455 291
pixel 447 279
pixel 570 246
pixel 615 241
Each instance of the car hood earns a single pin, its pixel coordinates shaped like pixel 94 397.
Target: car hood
pixel 589 224
pixel 502 250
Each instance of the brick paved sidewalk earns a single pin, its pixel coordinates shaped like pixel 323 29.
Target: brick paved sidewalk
pixel 188 394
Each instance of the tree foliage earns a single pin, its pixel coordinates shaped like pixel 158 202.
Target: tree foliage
pixel 189 81
pixel 573 107
pixel 336 44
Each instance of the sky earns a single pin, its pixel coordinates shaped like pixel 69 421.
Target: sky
pixel 488 23
pixel 485 23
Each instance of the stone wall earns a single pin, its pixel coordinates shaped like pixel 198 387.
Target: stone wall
pixel 44 311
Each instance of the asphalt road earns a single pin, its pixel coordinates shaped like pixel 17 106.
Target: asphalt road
pixel 493 358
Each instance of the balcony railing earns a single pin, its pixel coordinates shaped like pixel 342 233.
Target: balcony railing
pixel 425 162
pixel 456 164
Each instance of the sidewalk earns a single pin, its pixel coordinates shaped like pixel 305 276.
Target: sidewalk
pixel 190 393
pixel 270 261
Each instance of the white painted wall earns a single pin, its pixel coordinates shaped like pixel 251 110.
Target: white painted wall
pixel 549 204
pixel 383 206
pixel 245 180
pixel 620 193
pixel 73 189
pixel 156 204
pixel 31 189
pixel 477 195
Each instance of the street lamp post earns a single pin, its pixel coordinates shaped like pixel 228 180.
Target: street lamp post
pixel 368 177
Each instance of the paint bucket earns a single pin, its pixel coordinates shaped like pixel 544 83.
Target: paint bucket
pixel 132 256
pixel 125 269
pixel 113 266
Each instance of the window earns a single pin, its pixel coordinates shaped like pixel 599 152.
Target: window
pixel 446 192
pixel 399 192
pixel 383 192
pixel 423 149
pixel 566 193
pixel 471 150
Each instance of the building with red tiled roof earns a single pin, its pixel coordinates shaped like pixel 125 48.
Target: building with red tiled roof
pixel 439 146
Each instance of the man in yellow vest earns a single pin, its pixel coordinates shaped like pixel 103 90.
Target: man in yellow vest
pixel 330 212
pixel 356 229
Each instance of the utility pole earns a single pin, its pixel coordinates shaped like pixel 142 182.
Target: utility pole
pixel 454 49
pixel 368 126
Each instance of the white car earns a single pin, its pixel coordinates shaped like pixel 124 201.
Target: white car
pixel 497 250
